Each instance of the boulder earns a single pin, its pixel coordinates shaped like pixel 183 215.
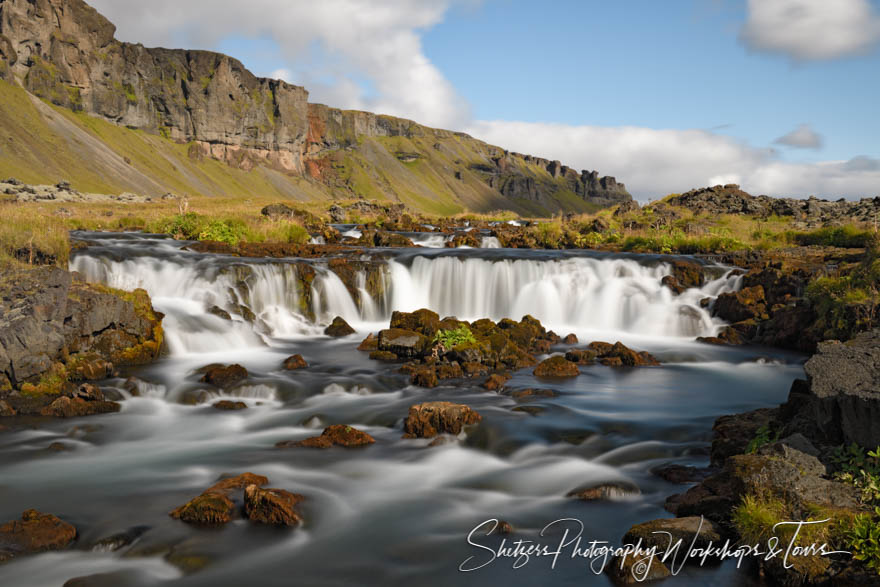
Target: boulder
pixel 214 505
pixel 620 355
pixel 335 435
pixel 630 570
pixel 557 366
pixel 691 530
pixel 429 419
pixel 385 356
pixel 581 356
pixel 425 376
pixel 570 339
pixel 403 343
pixel 66 407
pixel 495 381
pixel 605 491
pixel 224 377
pixel 371 343
pixel 35 532
pixel 839 403
pixel 423 321
pixel 276 507
pixel 294 362
pixel 530 393
pixel 745 304
pixel 732 434
pixel 338 328
pixel 687 274
pixel 6 410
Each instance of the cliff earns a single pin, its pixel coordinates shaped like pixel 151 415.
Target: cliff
pixel 65 52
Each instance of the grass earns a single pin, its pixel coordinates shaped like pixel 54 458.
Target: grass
pixel 452 338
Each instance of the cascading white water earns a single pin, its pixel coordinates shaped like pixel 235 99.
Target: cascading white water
pixel 590 293
pixel 430 240
pixel 490 242
pixel 611 294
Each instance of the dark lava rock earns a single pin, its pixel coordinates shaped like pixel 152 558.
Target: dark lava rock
pixel 295 362
pixel 228 405
pixel 339 328
pixel 429 419
pixel 605 491
pixel 839 403
pixel 225 376
pixel 732 434
pixel 335 435
pixel 276 507
pixel 557 366
pixel 35 532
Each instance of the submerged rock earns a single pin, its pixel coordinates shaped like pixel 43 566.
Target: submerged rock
pixel 605 491
pixel 228 405
pixel 429 419
pixel 557 366
pixel 339 328
pixel 335 435
pixel 692 530
pixel 496 381
pixel 272 506
pixel 294 362
pixel 35 532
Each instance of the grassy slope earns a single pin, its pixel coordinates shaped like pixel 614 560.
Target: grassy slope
pixel 40 143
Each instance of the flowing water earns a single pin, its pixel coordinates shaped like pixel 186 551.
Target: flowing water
pixel 395 512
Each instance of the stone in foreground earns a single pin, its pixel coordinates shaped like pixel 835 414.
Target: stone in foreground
pixel 35 532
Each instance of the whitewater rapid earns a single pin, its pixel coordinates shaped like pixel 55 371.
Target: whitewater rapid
pixel 567 293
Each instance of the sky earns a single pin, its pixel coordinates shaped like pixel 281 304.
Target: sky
pixel 780 96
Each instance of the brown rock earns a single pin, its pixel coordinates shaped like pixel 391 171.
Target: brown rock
pixel 690 530
pixel 272 506
pixel 295 362
pixel 339 328
pixel 208 508
pixel 371 343
pixel 385 356
pixel 35 532
pixel 557 366
pixel 570 339
pixel 403 343
pixel 229 405
pixel 600 348
pixel 629 570
pixel 745 304
pixel 688 274
pixel 89 393
pixel 335 435
pixel 225 376
pixel 496 381
pixel 581 356
pixel 425 377
pixel 432 418
pixel 422 321
pixel 65 407
pixel 611 361
pixel 6 410
pixel 681 473
pixel 214 506
pixel 605 491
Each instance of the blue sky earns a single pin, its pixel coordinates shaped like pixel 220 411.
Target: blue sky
pixel 665 95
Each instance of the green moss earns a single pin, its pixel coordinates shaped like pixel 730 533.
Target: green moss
pixel 454 337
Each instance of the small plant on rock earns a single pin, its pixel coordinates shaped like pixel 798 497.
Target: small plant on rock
pixel 863 537
pixel 762 436
pixel 860 468
pixel 452 338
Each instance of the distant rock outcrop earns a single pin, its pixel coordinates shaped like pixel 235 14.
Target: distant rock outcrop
pixel 65 52
pixel 730 199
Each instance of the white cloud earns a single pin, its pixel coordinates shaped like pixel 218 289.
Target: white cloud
pixel 803 137
pixel 377 41
pixel 653 163
pixel 811 29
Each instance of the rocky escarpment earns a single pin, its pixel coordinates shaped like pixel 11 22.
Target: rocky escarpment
pixel 56 331
pixel 730 199
pixel 65 52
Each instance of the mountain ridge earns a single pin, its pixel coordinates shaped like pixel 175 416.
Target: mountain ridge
pixel 66 53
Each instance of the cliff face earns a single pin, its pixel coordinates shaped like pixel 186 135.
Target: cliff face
pixel 64 52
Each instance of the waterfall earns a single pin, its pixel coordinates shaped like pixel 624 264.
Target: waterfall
pixel 214 304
